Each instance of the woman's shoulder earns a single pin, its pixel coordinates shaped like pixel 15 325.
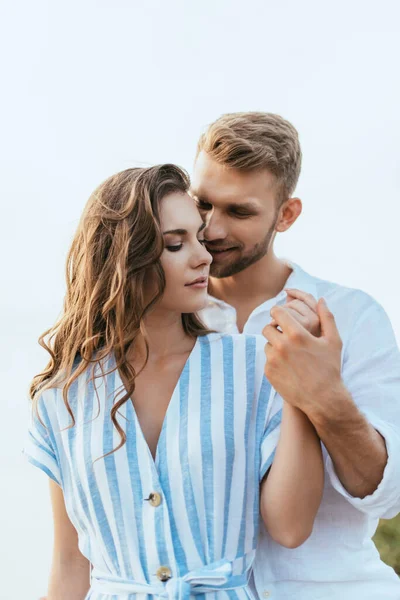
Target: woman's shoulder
pixel 250 346
pixel 70 385
pixel 240 339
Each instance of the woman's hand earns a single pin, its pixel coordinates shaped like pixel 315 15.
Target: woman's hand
pixel 303 307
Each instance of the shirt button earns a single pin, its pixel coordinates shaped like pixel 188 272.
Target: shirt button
pixel 155 499
pixel 266 593
pixel 164 573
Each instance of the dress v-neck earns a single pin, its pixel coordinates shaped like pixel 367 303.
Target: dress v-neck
pixel 155 459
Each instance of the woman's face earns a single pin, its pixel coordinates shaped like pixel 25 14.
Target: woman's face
pixel 185 260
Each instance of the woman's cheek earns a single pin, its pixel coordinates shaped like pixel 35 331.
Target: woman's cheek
pixel 171 266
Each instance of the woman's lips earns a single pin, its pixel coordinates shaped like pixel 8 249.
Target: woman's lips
pixel 198 284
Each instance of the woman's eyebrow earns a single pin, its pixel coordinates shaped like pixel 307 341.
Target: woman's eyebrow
pixel 176 231
pixel 184 231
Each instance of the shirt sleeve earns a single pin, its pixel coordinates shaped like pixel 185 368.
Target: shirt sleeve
pixel 371 373
pixel 40 448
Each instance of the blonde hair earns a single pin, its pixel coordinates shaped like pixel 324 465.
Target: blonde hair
pixel 255 140
pixel 116 248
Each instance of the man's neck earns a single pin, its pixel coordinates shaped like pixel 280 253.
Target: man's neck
pixel 264 279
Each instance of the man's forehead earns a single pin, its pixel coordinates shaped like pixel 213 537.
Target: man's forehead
pixel 219 183
pixel 221 194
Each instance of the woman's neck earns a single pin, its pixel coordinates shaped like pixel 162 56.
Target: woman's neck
pixel 165 336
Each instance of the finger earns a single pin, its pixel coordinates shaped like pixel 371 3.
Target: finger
pixel 271 334
pixel 328 323
pixel 300 318
pixel 268 351
pixel 306 298
pixel 286 321
pixel 301 307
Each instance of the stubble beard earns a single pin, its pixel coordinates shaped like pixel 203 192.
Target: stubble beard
pixel 244 261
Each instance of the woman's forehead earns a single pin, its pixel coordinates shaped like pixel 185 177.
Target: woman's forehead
pixel 178 211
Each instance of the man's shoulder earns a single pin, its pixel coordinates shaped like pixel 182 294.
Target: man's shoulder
pixel 341 298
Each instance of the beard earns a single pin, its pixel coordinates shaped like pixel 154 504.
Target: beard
pixel 244 260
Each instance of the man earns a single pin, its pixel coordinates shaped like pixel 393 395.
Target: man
pixel 347 380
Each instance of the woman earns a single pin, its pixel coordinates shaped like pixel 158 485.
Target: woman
pixel 157 435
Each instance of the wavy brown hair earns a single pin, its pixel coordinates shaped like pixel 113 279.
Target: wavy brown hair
pixel 115 251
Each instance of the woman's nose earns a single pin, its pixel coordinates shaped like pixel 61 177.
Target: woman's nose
pixel 203 257
pixel 206 256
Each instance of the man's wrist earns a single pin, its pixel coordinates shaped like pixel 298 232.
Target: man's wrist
pixel 336 412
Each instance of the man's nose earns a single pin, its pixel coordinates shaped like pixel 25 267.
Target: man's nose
pixel 215 229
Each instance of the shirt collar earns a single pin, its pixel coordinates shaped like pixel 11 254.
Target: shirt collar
pixel 298 279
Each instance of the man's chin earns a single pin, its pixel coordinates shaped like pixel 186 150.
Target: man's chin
pixel 222 271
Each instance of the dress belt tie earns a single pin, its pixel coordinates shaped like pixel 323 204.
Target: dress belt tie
pixel 208 578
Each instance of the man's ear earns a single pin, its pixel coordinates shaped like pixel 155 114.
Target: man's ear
pixel 288 214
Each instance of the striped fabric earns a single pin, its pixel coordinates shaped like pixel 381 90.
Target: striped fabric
pixel 217 441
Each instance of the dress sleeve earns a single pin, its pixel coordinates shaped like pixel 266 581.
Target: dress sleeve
pixel 40 448
pixel 271 433
pixel 270 411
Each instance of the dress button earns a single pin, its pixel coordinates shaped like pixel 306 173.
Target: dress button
pixel 164 573
pixel 266 593
pixel 154 499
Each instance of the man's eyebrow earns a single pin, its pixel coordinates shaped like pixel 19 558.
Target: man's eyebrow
pixel 184 231
pixel 249 205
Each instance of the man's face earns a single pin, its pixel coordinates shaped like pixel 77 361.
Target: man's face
pixel 241 212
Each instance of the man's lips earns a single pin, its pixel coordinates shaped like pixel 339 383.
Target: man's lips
pixel 219 250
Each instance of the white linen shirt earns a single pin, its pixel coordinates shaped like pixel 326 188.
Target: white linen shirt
pixel 339 560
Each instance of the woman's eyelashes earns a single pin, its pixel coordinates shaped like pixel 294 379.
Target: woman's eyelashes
pixel 177 247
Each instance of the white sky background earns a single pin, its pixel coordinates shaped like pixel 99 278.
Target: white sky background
pixel 90 88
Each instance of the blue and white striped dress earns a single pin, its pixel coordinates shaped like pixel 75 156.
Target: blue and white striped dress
pixel 194 510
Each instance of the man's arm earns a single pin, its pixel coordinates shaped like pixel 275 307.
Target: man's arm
pixel 371 376
pixel 357 412
pixel 357 450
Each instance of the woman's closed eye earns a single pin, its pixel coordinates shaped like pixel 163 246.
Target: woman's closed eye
pixel 177 247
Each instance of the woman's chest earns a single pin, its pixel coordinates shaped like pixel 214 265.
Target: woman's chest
pixel 154 392
pixel 207 430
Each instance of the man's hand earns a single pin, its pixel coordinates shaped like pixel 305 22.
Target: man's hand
pixel 306 372
pixel 301 367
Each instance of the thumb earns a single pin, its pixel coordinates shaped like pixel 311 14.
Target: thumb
pixel 328 324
